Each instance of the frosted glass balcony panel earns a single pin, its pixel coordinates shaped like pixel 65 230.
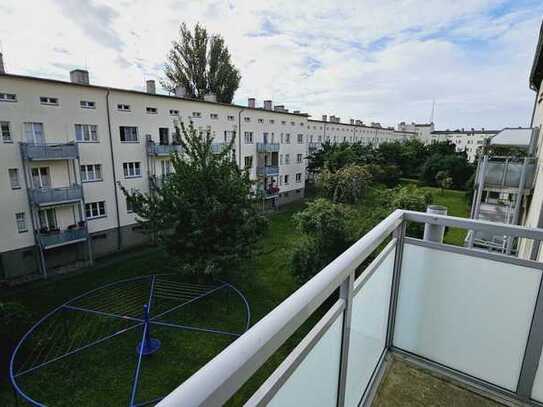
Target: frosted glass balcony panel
pixel 315 380
pixel 469 313
pixel 369 325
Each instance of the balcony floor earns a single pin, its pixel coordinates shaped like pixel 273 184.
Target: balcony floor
pixel 406 385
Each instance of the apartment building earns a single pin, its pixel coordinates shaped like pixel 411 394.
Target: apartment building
pixel 67 147
pixel 423 130
pixel 468 141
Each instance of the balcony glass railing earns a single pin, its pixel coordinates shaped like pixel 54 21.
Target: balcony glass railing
pixel 268 170
pixel 507 174
pixel 66 151
pixel 62 237
pixel 163 149
pixel 52 196
pixel 267 147
pixel 475 316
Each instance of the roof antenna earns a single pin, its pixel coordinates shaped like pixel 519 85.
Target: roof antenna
pixel 433 110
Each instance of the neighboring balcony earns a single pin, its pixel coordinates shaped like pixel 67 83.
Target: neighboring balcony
pixel 501 174
pixel 56 196
pixel 218 148
pixel 313 146
pixel 157 181
pixel 268 171
pixel 48 152
pixel 267 147
pixel 163 150
pixel 56 238
pixel 469 317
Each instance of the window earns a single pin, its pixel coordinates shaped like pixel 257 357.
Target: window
pixel 151 110
pixel 272 121
pixel 287 138
pixel 132 169
pixel 46 100
pixel 214 116
pixel 21 222
pixel 33 133
pixel 123 108
pixel 95 210
pixel 8 97
pixel 299 177
pixel 164 135
pixel 247 119
pixel 287 158
pixel 283 122
pixel 87 104
pixel 47 219
pixel 40 177
pixel 129 205
pixel 292 124
pixel 174 112
pixel 5 132
pixel 14 178
pixel 285 179
pixel 86 133
pixel 196 114
pixel 299 158
pixel 129 134
pixel 261 120
pixel 229 136
pixel 249 161
pixel 281 159
pixel 248 137
pixel 300 138
pixel 91 172
pixel 230 118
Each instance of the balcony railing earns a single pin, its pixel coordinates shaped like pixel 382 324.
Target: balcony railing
pixel 507 174
pixel 267 147
pixel 45 152
pixel 55 196
pixel 471 315
pixel 313 146
pixel 218 147
pixel 268 170
pixel 62 237
pixel 161 150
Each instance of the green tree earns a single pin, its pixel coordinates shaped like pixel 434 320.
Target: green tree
pixel 201 64
pixel 205 213
pixel 443 180
pixel 347 185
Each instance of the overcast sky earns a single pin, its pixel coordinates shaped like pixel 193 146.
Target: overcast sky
pixel 375 60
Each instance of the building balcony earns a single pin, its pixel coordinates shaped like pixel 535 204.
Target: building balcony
pixel 47 152
pixel 268 171
pixel 57 238
pixel 56 196
pixel 506 174
pixel 157 181
pixel 218 148
pixel 163 150
pixel 471 317
pixel 313 146
pixel 267 147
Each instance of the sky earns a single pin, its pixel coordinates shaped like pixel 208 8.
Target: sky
pixel 373 60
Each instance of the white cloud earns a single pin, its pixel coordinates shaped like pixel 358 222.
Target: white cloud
pixel 377 60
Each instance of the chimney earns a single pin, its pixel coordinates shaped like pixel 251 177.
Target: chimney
pixel 251 102
pixel 80 76
pixel 352 121
pixel 180 91
pixel 2 69
pixel 210 97
pixel 324 117
pixel 267 105
pixel 150 86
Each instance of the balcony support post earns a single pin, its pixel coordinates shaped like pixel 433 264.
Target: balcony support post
pixel 399 235
pixel 345 293
pixel 532 352
pixel 478 197
pixel 518 203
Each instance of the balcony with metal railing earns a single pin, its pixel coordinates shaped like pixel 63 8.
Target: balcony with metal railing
pixel 267 147
pixel 162 150
pixel 267 171
pixel 217 148
pixel 504 173
pixel 57 238
pixel 47 152
pixel 49 196
pixel 470 316
pixel 313 146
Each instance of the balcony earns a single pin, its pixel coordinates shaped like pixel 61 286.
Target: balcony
pixel 506 174
pixel 474 318
pixel 47 152
pixel 57 238
pixel 313 146
pixel 163 150
pixel 267 147
pixel 267 171
pixel 218 148
pixel 56 196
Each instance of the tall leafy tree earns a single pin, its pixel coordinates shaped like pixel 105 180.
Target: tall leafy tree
pixel 205 213
pixel 201 64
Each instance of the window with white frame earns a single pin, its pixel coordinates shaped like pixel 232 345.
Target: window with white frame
pixel 247 119
pixel 8 97
pixel 287 159
pixel 129 205
pixel 129 134
pixel 283 122
pixel 174 112
pixel 151 110
pixel 298 177
pixel 5 131
pixel 14 178
pixel 229 135
pixel 261 120
pixel 299 158
pixel 95 210
pixel 272 121
pixel 86 133
pixel 230 118
pixel 196 114
pixel 287 138
pixel 87 104
pixel 33 133
pixel 248 161
pixel 91 172
pixel 132 169
pixel 249 137
pixel 300 138
pixel 292 124
pixel 285 179
pixel 21 222
pixel 121 107
pixel 213 116
pixel 46 100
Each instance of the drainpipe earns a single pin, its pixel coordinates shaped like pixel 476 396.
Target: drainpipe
pixel 119 237
pixel 518 203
